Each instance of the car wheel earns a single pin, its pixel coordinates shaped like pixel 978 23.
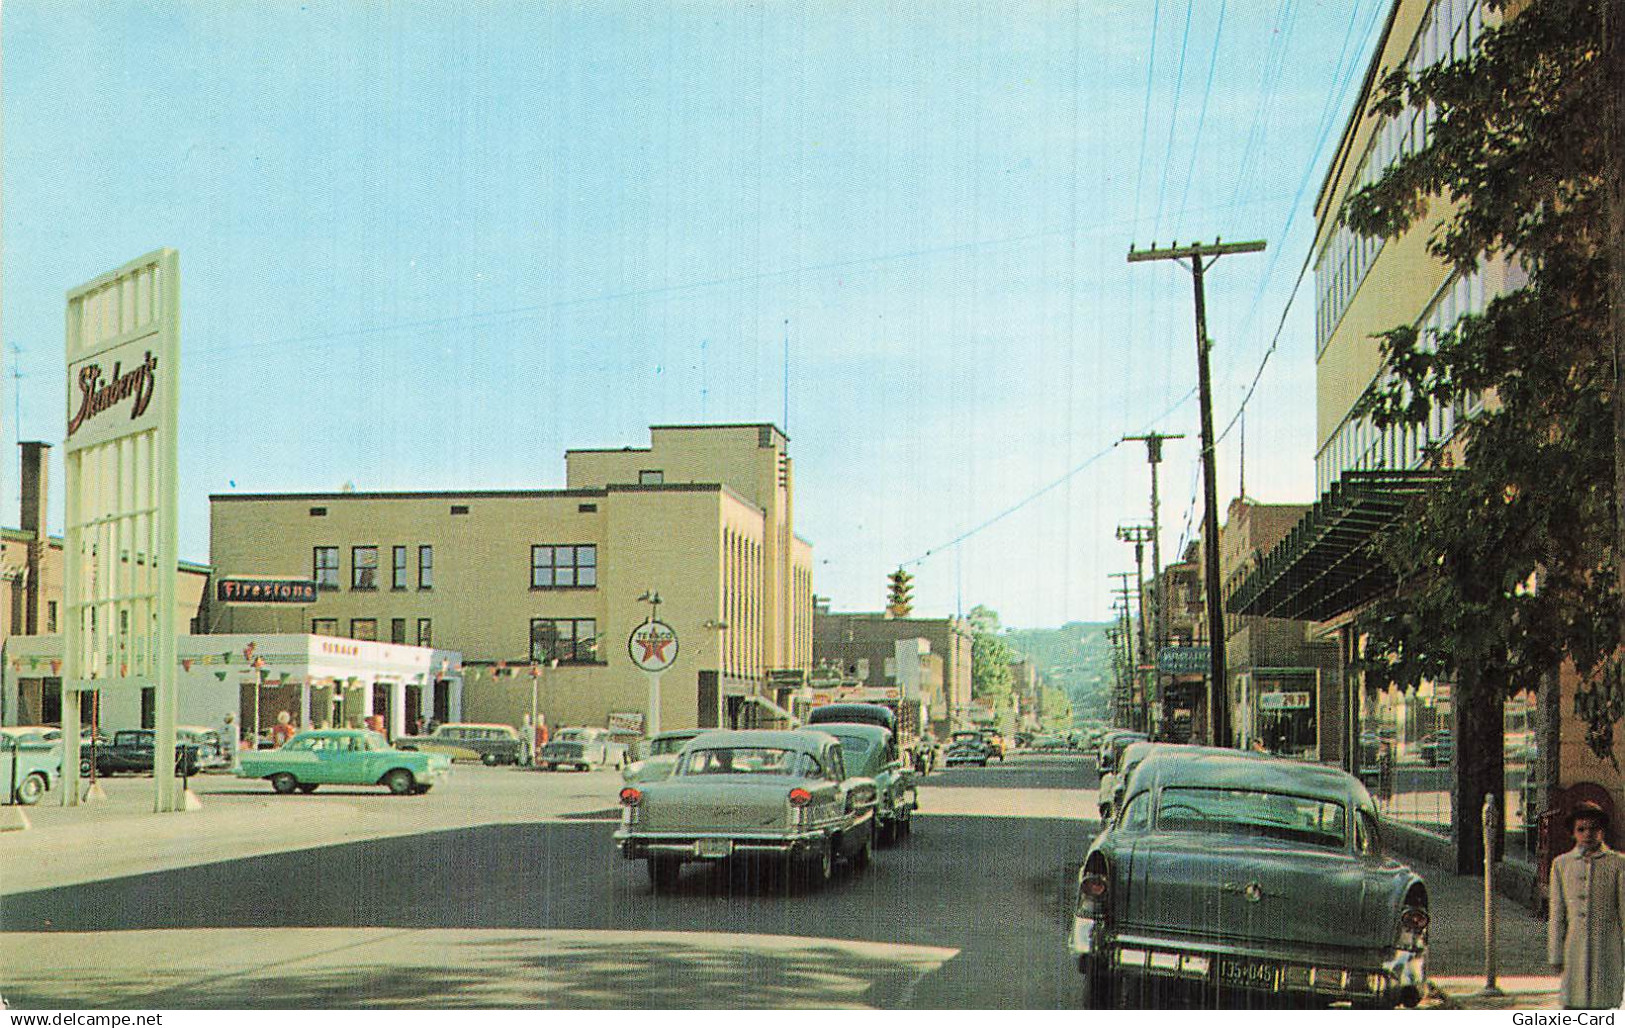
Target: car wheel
pixel 85 767
pixel 861 858
pixel 488 759
pixel 307 787
pixel 1099 992
pixel 30 789
pixel 663 872
pixel 399 782
pixel 284 783
pixel 819 867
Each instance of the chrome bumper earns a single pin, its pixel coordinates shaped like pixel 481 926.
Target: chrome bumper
pixel 636 845
pixel 1398 976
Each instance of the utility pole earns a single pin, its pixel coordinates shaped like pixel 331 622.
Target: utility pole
pixel 1139 535
pixel 1613 48
pixel 1132 672
pixel 1153 456
pixel 1201 256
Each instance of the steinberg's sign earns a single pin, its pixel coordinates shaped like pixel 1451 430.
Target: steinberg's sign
pixel 100 392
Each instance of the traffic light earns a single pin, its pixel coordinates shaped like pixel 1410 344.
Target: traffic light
pixel 900 598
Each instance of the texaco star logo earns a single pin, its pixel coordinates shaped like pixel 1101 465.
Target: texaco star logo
pixel 653 646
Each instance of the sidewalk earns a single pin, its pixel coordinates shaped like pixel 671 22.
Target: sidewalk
pixel 1456 948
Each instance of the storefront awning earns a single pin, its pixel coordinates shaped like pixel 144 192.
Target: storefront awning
pixel 1327 564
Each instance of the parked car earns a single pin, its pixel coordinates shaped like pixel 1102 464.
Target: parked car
pixel 1234 878
pixel 1111 751
pixel 871 752
pixel 658 755
pixel 1112 783
pixel 131 752
pixel 489 744
pixel 344 756
pixel 582 748
pixel 995 743
pixel 1437 747
pixel 210 752
pixel 784 796
pixel 967 747
pixel 29 764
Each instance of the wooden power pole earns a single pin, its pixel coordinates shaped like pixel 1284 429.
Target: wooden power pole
pixel 1201 256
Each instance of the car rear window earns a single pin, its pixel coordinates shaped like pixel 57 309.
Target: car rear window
pixel 747 760
pixel 1303 819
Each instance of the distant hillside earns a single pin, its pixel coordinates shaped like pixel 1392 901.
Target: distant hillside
pixel 1076 658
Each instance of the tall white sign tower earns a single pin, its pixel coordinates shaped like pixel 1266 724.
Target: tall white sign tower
pixel 123 350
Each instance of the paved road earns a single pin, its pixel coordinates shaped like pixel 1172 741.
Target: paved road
pixel 970 911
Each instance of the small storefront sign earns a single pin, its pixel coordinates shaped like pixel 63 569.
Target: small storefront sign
pixel 265 590
pixel 626 723
pixel 1283 701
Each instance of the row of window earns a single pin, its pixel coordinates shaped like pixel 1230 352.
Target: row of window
pixel 1358 445
pixel 573 566
pixel 1449 32
pixel 364 567
pixel 366 629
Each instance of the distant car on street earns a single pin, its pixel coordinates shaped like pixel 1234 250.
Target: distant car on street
pixel 1231 879
pixel 1437 747
pixel 130 751
pixel 781 796
pixel 658 755
pixel 344 756
pixel 490 744
pixel 967 747
pixel 583 749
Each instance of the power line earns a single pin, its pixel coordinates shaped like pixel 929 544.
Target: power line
pixel 1173 120
pixel 1033 496
pixel 1201 117
pixel 1145 116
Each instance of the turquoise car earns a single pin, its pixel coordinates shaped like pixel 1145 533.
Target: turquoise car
pixel 28 765
pixel 344 756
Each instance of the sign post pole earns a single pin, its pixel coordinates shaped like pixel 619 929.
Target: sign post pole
pixel 653 648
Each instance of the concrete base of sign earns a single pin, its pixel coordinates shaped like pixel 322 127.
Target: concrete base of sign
pixel 190 801
pixel 12 819
pixel 92 792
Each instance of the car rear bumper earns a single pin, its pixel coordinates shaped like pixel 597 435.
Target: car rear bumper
pixel 1382 977
pixel 714 845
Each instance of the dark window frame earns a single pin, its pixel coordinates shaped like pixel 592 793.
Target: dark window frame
pixel 580 647
pixel 331 580
pixel 397 631
pixel 358 570
pixel 397 568
pixel 317 624
pixel 425 632
pixel 547 575
pixel 355 624
pixel 425 568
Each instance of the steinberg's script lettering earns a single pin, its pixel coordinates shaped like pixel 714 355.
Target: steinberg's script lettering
pixel 95 397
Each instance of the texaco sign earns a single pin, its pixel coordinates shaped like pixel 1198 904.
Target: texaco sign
pixel 653 646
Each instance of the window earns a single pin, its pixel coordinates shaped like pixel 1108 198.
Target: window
pixel 325 567
pixel 398 568
pixel 50 616
pixel 365 629
pixel 567 640
pixel 1136 812
pixel 458 508
pixel 651 478
pixel 324 626
pixel 586 508
pixel 363 567
pixel 425 567
pixel 425 635
pixel 397 631
pixel 318 512
pixel 563 567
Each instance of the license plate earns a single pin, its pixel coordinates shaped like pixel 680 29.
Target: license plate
pixel 1251 974
pixel 714 848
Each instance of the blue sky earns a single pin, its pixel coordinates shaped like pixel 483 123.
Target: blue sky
pixel 432 246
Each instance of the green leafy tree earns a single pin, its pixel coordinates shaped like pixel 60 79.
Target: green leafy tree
pixel 1515 167
pixel 1057 710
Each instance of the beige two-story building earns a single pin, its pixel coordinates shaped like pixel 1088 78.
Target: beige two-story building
pixel 540 590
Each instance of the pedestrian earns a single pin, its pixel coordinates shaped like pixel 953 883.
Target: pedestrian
pixel 283 730
pixel 1585 937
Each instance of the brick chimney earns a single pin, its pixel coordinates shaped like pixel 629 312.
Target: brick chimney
pixel 31 519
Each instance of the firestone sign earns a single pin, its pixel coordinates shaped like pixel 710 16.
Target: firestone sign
pixel 265 590
pixel 653 646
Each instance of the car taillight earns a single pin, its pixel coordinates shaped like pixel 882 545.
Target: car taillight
pixel 1092 886
pixel 800 797
pixel 631 797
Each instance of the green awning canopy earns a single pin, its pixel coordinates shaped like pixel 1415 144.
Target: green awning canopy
pixel 1327 565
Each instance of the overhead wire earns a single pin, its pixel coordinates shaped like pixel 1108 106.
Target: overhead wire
pixel 1173 117
pixel 1201 116
pixel 1057 483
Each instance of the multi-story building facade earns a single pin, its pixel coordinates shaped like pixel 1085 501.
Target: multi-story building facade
pixel 540 590
pixel 862 648
pixel 1284 685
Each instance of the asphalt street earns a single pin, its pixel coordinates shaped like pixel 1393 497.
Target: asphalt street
pixel 970 911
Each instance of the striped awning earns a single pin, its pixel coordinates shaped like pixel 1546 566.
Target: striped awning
pixel 1327 564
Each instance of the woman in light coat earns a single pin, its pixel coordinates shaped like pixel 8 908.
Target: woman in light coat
pixel 1586 935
